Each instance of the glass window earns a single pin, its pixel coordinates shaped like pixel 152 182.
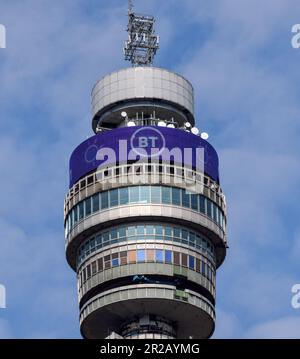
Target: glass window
pixel 159 232
pixel 214 212
pixel 209 211
pixel 105 237
pixel 208 273
pixel 131 231
pixel 114 233
pixel 150 255
pixel 221 220
pixel 217 215
pixel 168 231
pixel 98 241
pixel 94 268
pixel 159 255
pixel 184 259
pixel 132 256
pixel 155 194
pixel 186 199
pixel 88 271
pixel 140 230
pixel 122 232
pixel 168 256
pixel 123 256
pixel 88 206
pixel 177 258
pixel 149 230
pixel 145 194
pixel 198 241
pixel 203 268
pixel 194 202
pixel 104 200
pixel 75 214
pixel 176 196
pixel 95 201
pixel 107 265
pixel 184 234
pixel 198 265
pixel 72 218
pixel 115 262
pixel 92 244
pixel 100 264
pixel 81 210
pixel 134 194
pixel 114 198
pixel 202 204
pixel 166 195
pixel 191 239
pixel 141 255
pixel 191 262
pixel 124 198
pixel 66 227
pixel 177 234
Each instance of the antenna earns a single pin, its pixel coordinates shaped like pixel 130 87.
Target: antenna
pixel 142 43
pixel 130 7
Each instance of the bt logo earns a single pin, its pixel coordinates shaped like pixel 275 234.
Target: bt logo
pixel 2 37
pixel 296 38
pixel 148 142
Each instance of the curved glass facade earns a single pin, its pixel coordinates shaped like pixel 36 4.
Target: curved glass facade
pixel 143 195
pixel 146 232
pixel 194 262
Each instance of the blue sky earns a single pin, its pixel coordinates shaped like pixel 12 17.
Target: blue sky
pixel 246 76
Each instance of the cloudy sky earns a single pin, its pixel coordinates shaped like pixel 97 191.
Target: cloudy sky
pixel 239 57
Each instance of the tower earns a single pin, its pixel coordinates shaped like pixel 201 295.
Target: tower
pixel 145 216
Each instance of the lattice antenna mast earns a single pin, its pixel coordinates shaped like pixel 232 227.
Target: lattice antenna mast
pixel 142 43
pixel 130 7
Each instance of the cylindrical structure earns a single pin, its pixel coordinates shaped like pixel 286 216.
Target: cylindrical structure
pixel 145 216
pixel 142 90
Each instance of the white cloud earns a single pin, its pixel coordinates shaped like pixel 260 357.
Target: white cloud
pixel 5 330
pixel 227 325
pixel 282 328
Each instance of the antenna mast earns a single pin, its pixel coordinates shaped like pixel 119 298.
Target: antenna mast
pixel 142 43
pixel 130 7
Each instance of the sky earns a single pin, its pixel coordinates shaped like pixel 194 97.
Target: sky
pixel 239 57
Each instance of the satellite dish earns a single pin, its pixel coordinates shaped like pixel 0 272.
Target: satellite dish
pixel 188 125
pixel 204 135
pixel 162 124
pixel 130 124
pixel 195 131
pixel 124 114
